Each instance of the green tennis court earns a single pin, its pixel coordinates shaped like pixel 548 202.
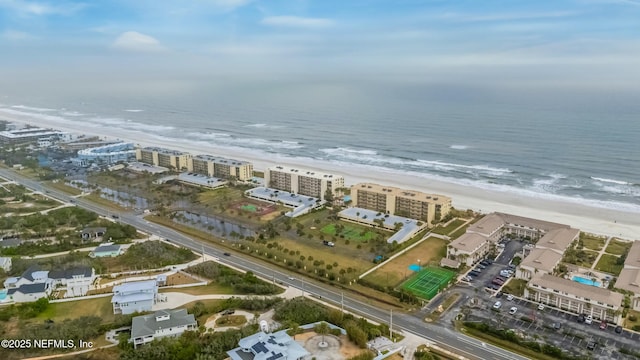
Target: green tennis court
pixel 428 282
pixel 249 207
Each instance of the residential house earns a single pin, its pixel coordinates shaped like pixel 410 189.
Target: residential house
pixel 263 346
pixel 575 297
pixel 136 296
pixel 146 328
pixel 91 233
pixel 106 250
pixel 77 281
pixel 30 292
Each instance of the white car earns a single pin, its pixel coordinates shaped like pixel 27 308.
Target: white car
pixel 509 297
pixel 497 305
pixel 513 310
pixel 541 307
pixel 588 320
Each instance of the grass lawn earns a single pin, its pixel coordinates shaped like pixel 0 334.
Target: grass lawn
pixel 630 324
pixel 211 288
pixel 515 287
pixel 449 228
pixel 607 263
pixel 231 320
pixel 351 232
pixel 64 188
pixel 100 307
pixel 618 247
pixel 394 272
pixel 592 242
pixel 459 232
pixel 212 306
pixel 589 258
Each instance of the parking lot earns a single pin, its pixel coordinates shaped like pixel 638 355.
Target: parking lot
pixel 571 336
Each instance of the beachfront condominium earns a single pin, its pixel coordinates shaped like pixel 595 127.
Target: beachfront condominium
pixel 406 203
pixel 219 167
pixel 171 159
pixel 303 181
pixel 31 135
pixel 629 278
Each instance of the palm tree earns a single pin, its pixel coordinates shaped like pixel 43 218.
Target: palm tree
pixel 294 330
pixel 322 329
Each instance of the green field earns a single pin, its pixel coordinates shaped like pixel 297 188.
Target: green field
pixel 449 228
pixel 349 232
pixel 592 242
pixel 428 282
pixel 249 207
pixel 607 263
pixel 100 307
pixel 617 247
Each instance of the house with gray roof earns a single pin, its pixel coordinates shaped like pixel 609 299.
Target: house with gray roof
pixel 91 233
pixel 135 296
pixel 107 250
pixel 263 346
pixel 77 281
pixel 30 292
pixel 146 328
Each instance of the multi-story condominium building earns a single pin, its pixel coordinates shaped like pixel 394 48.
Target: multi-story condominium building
pixel 468 249
pixel 303 181
pixel 172 159
pixel 163 323
pixel 30 135
pixel 106 154
pixel 575 297
pixel 539 261
pixel 629 278
pixel 407 203
pixel 219 167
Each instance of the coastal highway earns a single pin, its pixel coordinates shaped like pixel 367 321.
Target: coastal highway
pixel 461 344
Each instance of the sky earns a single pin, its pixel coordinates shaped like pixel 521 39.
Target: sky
pixel 536 44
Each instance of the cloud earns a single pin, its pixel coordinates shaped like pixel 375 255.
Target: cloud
pixel 137 42
pixel 296 21
pixel 14 35
pixel 35 8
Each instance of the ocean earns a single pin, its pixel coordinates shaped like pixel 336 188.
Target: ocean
pixel 577 147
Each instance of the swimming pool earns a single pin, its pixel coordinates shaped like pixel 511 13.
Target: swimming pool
pixel 585 281
pixel 3 294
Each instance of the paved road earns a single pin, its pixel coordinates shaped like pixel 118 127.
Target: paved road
pixel 468 347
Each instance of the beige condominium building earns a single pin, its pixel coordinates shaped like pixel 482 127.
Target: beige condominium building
pixel 171 159
pixel 302 181
pixel 577 298
pixel 488 230
pixel 547 253
pixel 629 278
pixel 219 167
pixel 407 203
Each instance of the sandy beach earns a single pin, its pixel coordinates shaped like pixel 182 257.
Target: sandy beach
pixel 592 219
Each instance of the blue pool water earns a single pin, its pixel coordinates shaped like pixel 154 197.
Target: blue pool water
pixel 585 281
pixel 3 294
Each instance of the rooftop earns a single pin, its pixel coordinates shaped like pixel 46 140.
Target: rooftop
pixel 305 172
pixel 268 347
pixel 165 151
pixel 629 279
pixel 542 259
pixel 404 193
pixel 84 271
pixel 16 134
pixel 583 291
pixel 147 325
pixel 30 288
pixel 633 257
pixel 201 180
pixel 135 286
pixel 390 221
pixel 558 239
pixel 106 248
pixel 221 160
pixel 468 242
pixel 487 225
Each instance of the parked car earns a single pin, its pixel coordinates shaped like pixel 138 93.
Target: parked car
pixel 603 325
pixel 484 262
pixel 513 310
pixel 481 266
pixel 497 281
pixel 509 297
pixel 582 318
pixel 499 294
pixel 618 329
pixel 556 326
pixel 541 307
pixel 474 273
pixel 497 305
pixel 588 320
pixel 591 345
pixel 228 312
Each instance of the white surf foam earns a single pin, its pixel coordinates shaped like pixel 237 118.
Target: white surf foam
pixel 612 181
pixel 459 147
pixel 134 110
pixel 31 108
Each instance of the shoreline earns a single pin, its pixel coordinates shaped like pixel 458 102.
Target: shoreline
pixel 610 222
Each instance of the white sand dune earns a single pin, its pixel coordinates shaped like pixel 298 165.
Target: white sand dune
pixel 593 219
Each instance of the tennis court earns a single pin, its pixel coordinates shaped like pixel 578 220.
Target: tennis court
pixel 249 207
pixel 428 282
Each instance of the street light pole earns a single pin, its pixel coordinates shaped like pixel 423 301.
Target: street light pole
pixel 342 301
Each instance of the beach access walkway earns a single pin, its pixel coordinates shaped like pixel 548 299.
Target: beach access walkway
pixel 601 252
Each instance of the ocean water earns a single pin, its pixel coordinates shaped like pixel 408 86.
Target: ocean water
pixel 579 147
